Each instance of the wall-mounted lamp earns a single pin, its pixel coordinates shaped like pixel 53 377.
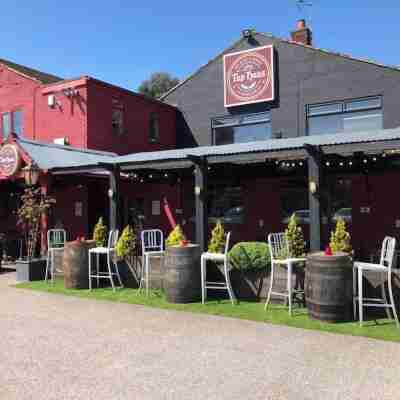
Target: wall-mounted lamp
pixel 312 186
pixel 110 193
pixel 31 174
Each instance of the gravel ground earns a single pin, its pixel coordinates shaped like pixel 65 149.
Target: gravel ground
pixel 55 347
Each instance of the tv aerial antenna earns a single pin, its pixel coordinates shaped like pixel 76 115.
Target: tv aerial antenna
pixel 305 7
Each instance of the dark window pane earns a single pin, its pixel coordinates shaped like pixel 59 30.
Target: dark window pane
pixel 325 124
pixel 117 116
pixel 250 133
pixel 154 130
pixel 325 109
pixel 242 133
pixel 6 125
pixel 375 102
pixel 226 204
pixel 17 122
pixel 363 121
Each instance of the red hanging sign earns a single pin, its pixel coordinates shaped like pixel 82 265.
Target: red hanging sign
pixel 249 76
pixel 10 160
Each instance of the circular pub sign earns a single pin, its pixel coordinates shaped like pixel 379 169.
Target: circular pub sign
pixel 10 160
pixel 249 76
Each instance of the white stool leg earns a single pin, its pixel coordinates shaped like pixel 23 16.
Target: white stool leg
pixel 360 296
pixel 229 286
pixel 52 266
pixel 271 280
pixel 117 272
pixel 110 271
pixel 203 279
pixel 90 271
pixel 384 297
pixel 392 301
pixel 47 265
pixel 147 274
pixel 289 285
pixel 354 293
pixel 98 269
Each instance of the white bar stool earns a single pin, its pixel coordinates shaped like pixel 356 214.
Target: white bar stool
pixel 219 258
pixel 280 255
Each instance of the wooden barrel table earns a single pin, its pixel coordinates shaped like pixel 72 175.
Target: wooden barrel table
pixel 76 264
pixel 329 287
pixel 182 277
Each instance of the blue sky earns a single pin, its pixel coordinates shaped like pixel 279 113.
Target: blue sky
pixel 123 42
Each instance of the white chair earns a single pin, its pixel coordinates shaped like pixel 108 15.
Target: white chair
pixel 280 255
pixel 55 243
pixel 152 247
pixel 109 251
pixel 384 267
pixel 219 258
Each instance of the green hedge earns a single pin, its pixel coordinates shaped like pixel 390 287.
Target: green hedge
pixel 250 256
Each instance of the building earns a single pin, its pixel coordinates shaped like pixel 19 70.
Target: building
pixel 268 128
pixel 51 122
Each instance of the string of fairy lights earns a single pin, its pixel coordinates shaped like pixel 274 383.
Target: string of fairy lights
pixel 288 165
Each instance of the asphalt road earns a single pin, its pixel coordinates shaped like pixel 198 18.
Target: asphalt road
pixel 55 347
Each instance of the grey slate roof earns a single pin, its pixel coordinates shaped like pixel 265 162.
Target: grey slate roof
pixel 261 146
pixel 49 156
pixel 40 76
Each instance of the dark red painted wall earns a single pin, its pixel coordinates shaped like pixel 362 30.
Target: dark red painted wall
pixel 137 111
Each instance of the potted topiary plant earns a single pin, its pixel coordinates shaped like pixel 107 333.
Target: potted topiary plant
pixel 294 236
pixel 182 268
pixel 329 279
pixel 217 241
pixel 126 253
pixel 34 206
pixel 100 233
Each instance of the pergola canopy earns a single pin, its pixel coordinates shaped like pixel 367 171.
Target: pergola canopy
pixel 369 142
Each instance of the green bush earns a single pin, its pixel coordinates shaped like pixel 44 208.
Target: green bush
pixel 250 256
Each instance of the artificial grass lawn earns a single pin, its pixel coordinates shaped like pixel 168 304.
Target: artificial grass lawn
pixel 383 329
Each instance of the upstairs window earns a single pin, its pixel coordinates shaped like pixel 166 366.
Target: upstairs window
pixel 345 116
pixel 154 128
pixel 11 122
pixel 117 117
pixel 241 128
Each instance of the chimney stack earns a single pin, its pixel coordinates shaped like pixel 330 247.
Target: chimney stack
pixel 302 34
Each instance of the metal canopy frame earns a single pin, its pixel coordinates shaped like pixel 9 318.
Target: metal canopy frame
pixel 313 154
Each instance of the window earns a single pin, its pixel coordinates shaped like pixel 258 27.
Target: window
pixel 117 117
pixel 17 122
pixel 345 116
pixel 241 128
pixel 11 122
pixel 226 203
pixel 6 125
pixel 154 129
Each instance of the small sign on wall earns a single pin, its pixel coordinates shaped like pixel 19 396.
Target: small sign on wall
pixel 78 209
pixel 156 207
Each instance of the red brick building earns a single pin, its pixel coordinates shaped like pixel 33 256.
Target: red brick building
pixel 82 113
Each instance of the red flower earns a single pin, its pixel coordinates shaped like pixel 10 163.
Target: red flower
pixel 328 251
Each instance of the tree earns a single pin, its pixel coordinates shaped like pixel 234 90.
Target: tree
pixel 175 237
pixel 295 238
pixel 158 84
pixel 100 233
pixel 340 238
pixel 34 205
pixel 217 241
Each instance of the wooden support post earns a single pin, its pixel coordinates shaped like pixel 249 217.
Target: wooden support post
pixel 200 191
pixel 113 195
pixel 314 161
